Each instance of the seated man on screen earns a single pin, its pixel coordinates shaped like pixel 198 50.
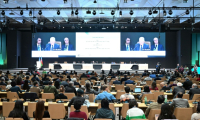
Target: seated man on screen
pixel 38 46
pixel 141 46
pixel 127 46
pixel 66 46
pixel 156 46
pixel 51 46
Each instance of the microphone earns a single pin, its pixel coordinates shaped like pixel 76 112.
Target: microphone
pixel 195 102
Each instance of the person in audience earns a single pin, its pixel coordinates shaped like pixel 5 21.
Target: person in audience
pixel 155 105
pixel 37 73
pixel 15 88
pixel 117 81
pixel 124 79
pixel 187 84
pixel 26 86
pixel 178 89
pixel 166 112
pixel 148 78
pixel 4 76
pixel 35 88
pixel 77 113
pixel 126 96
pixel 76 83
pixel 3 82
pixel 153 86
pixel 60 78
pixel 195 68
pixel 196 116
pixel 105 111
pixel 61 94
pixel 179 102
pixel 57 77
pixel 18 112
pixel 70 88
pixel 194 90
pixel 65 82
pixel 174 84
pixel 144 73
pixel 83 76
pixel 181 69
pixel 28 73
pixel 134 112
pixel 19 81
pixel 57 84
pixel 86 102
pixel 50 89
pixel 89 90
pixel 79 96
pixel 129 82
pixel 14 78
pixel 94 77
pixel 172 78
pixel 164 87
pixel 8 85
pixel 8 72
pixel 142 82
pixel 105 94
pixel 40 111
pixel 157 78
pixel 146 91
pixel 35 78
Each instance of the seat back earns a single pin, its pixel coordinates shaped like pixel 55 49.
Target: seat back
pixel 152 113
pixel 7 108
pixel 111 106
pixel 14 119
pixel 31 108
pixel 132 87
pixel 149 96
pixel 48 96
pixel 82 82
pixel 183 113
pixel 124 110
pixel 69 95
pixel 91 97
pixel 186 96
pixel 159 81
pixel 2 87
pixel 119 93
pixel 148 82
pixel 119 87
pixel 12 95
pixel 83 109
pixel 56 111
pixel 196 97
pixel 156 94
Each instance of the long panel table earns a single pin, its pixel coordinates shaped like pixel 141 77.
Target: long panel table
pixel 85 66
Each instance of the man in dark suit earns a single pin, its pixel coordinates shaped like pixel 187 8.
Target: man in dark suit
pixel 187 84
pixel 178 89
pixel 157 78
pixel 156 46
pixel 52 46
pixel 39 46
pixel 124 79
pixel 194 90
pixel 129 82
pixel 70 88
pixel 180 102
pixel 127 46
pixel 116 81
pixel 141 46
pixel 66 46
pixel 164 87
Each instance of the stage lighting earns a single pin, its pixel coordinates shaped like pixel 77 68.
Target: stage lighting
pixel 64 1
pixel 58 12
pixel 72 13
pixel 5 1
pixel 94 12
pixel 40 12
pixel 112 12
pixel 187 12
pixel 95 1
pixel 131 12
pixel 30 13
pixel 3 12
pixel 76 12
pixel 88 12
pixel 170 12
pixel 150 12
pixel 120 13
pixel 21 12
pixel 53 21
pixel 23 21
pixel 42 0
pixel 8 21
pixel 155 12
pixel 164 13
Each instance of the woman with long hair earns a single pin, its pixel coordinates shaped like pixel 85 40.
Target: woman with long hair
pixel 57 84
pixel 166 112
pixel 146 91
pixel 26 86
pixel 61 95
pixel 40 111
pixel 153 86
pixel 105 111
pixel 19 81
pixel 18 112
pixel 89 90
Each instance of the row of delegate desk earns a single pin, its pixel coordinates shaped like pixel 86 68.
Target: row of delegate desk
pixel 71 66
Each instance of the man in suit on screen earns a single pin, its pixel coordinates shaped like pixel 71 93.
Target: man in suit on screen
pixel 38 46
pixel 127 46
pixel 52 46
pixel 66 46
pixel 141 46
pixel 156 46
